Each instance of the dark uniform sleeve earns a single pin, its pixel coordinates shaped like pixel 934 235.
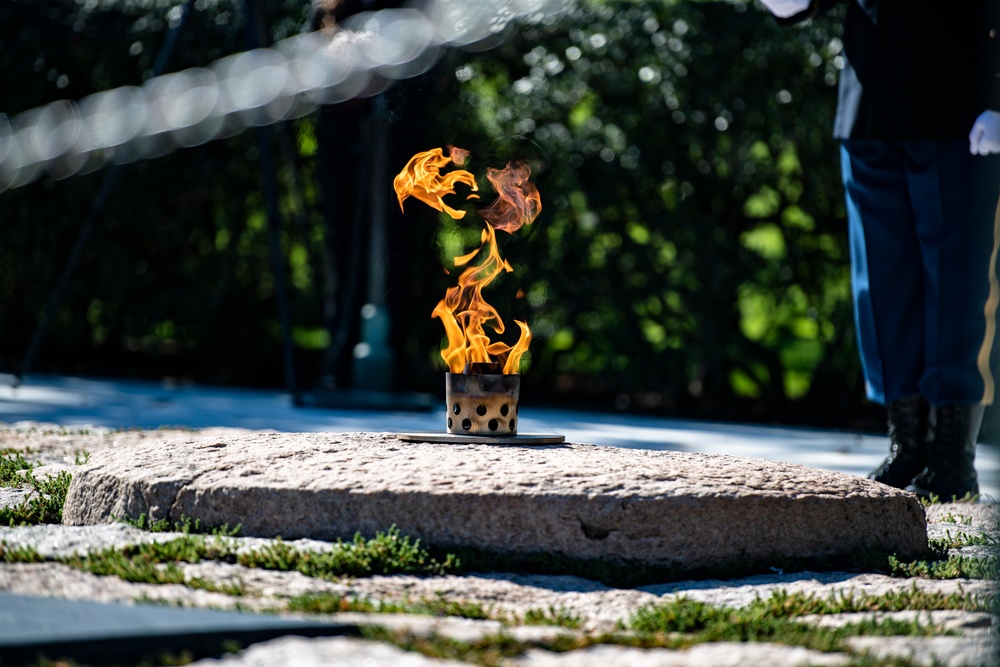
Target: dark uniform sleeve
pixel 991 53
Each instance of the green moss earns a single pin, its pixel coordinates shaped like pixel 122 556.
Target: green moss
pixel 386 553
pixel 952 567
pixel 758 622
pixel 185 525
pixel 12 463
pixel 19 554
pixel 789 605
pixel 492 650
pixel 962 539
pixel 44 504
pixel 676 625
pixel 556 616
pixel 331 603
pixel 157 562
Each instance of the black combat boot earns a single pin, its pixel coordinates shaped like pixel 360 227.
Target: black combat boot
pixel 951 455
pixel 908 439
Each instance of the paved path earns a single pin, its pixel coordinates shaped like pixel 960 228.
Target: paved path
pixel 510 598
pixel 63 609
pixel 123 404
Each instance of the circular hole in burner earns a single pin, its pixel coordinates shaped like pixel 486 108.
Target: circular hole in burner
pixel 512 424
pixel 466 424
pixel 456 408
pixel 481 410
pixel 504 410
pixel 449 422
pixel 494 424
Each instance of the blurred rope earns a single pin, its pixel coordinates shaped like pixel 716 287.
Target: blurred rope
pixel 251 89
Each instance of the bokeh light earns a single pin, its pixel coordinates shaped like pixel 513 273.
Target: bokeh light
pixel 254 88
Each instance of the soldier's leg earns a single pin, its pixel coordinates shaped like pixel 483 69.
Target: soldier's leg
pixel 955 196
pixel 887 283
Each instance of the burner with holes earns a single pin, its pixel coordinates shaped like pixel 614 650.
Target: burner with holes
pixel 482 409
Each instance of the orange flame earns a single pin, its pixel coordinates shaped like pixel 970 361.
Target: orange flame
pixel 518 202
pixel 421 178
pixel 463 311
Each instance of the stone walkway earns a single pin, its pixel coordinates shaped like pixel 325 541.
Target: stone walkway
pixel 121 404
pixel 584 611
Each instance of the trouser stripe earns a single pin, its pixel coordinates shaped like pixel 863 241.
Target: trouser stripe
pixel 990 313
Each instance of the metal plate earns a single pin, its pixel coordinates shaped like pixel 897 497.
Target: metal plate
pixel 461 439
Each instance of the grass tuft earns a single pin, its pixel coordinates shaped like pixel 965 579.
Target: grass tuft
pixel 157 562
pixel 700 622
pixel 962 519
pixel 790 605
pixel 332 603
pixel 952 567
pixel 12 465
pixel 676 625
pixel 491 651
pixel 19 554
pixel 556 616
pixel 386 553
pixel 44 504
pixel 186 525
pixel 934 499
pixel 962 539
pixel 46 495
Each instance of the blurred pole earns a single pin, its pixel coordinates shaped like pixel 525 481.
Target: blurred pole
pixel 255 39
pixel 373 355
pixel 93 215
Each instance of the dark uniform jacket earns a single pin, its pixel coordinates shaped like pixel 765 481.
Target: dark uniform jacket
pixel 916 69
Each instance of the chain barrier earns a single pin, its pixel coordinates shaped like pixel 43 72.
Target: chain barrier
pixel 259 87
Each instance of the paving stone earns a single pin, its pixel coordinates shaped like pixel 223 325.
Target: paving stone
pixel 717 654
pixel 585 501
pixel 512 594
pixel 965 517
pixel 324 652
pixel 976 651
pixel 56 580
pixel 741 592
pixel 466 630
pixel 55 541
pixel 968 623
pixel 13 496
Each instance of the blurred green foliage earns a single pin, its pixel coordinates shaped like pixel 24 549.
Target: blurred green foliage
pixel 691 257
pixel 176 280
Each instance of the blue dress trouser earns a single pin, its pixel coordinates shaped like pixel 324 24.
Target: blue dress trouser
pixel 924 231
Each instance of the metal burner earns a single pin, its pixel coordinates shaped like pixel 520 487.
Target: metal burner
pixel 482 409
pixel 482 403
pixel 459 439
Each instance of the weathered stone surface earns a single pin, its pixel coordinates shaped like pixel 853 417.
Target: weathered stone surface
pixel 577 500
pixel 54 541
pixel 977 651
pixel 966 623
pixel 742 592
pixel 718 654
pixel 324 652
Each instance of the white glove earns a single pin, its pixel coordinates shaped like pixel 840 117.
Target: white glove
pixel 985 136
pixel 785 8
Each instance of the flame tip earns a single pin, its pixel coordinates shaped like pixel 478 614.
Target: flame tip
pixel 463 311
